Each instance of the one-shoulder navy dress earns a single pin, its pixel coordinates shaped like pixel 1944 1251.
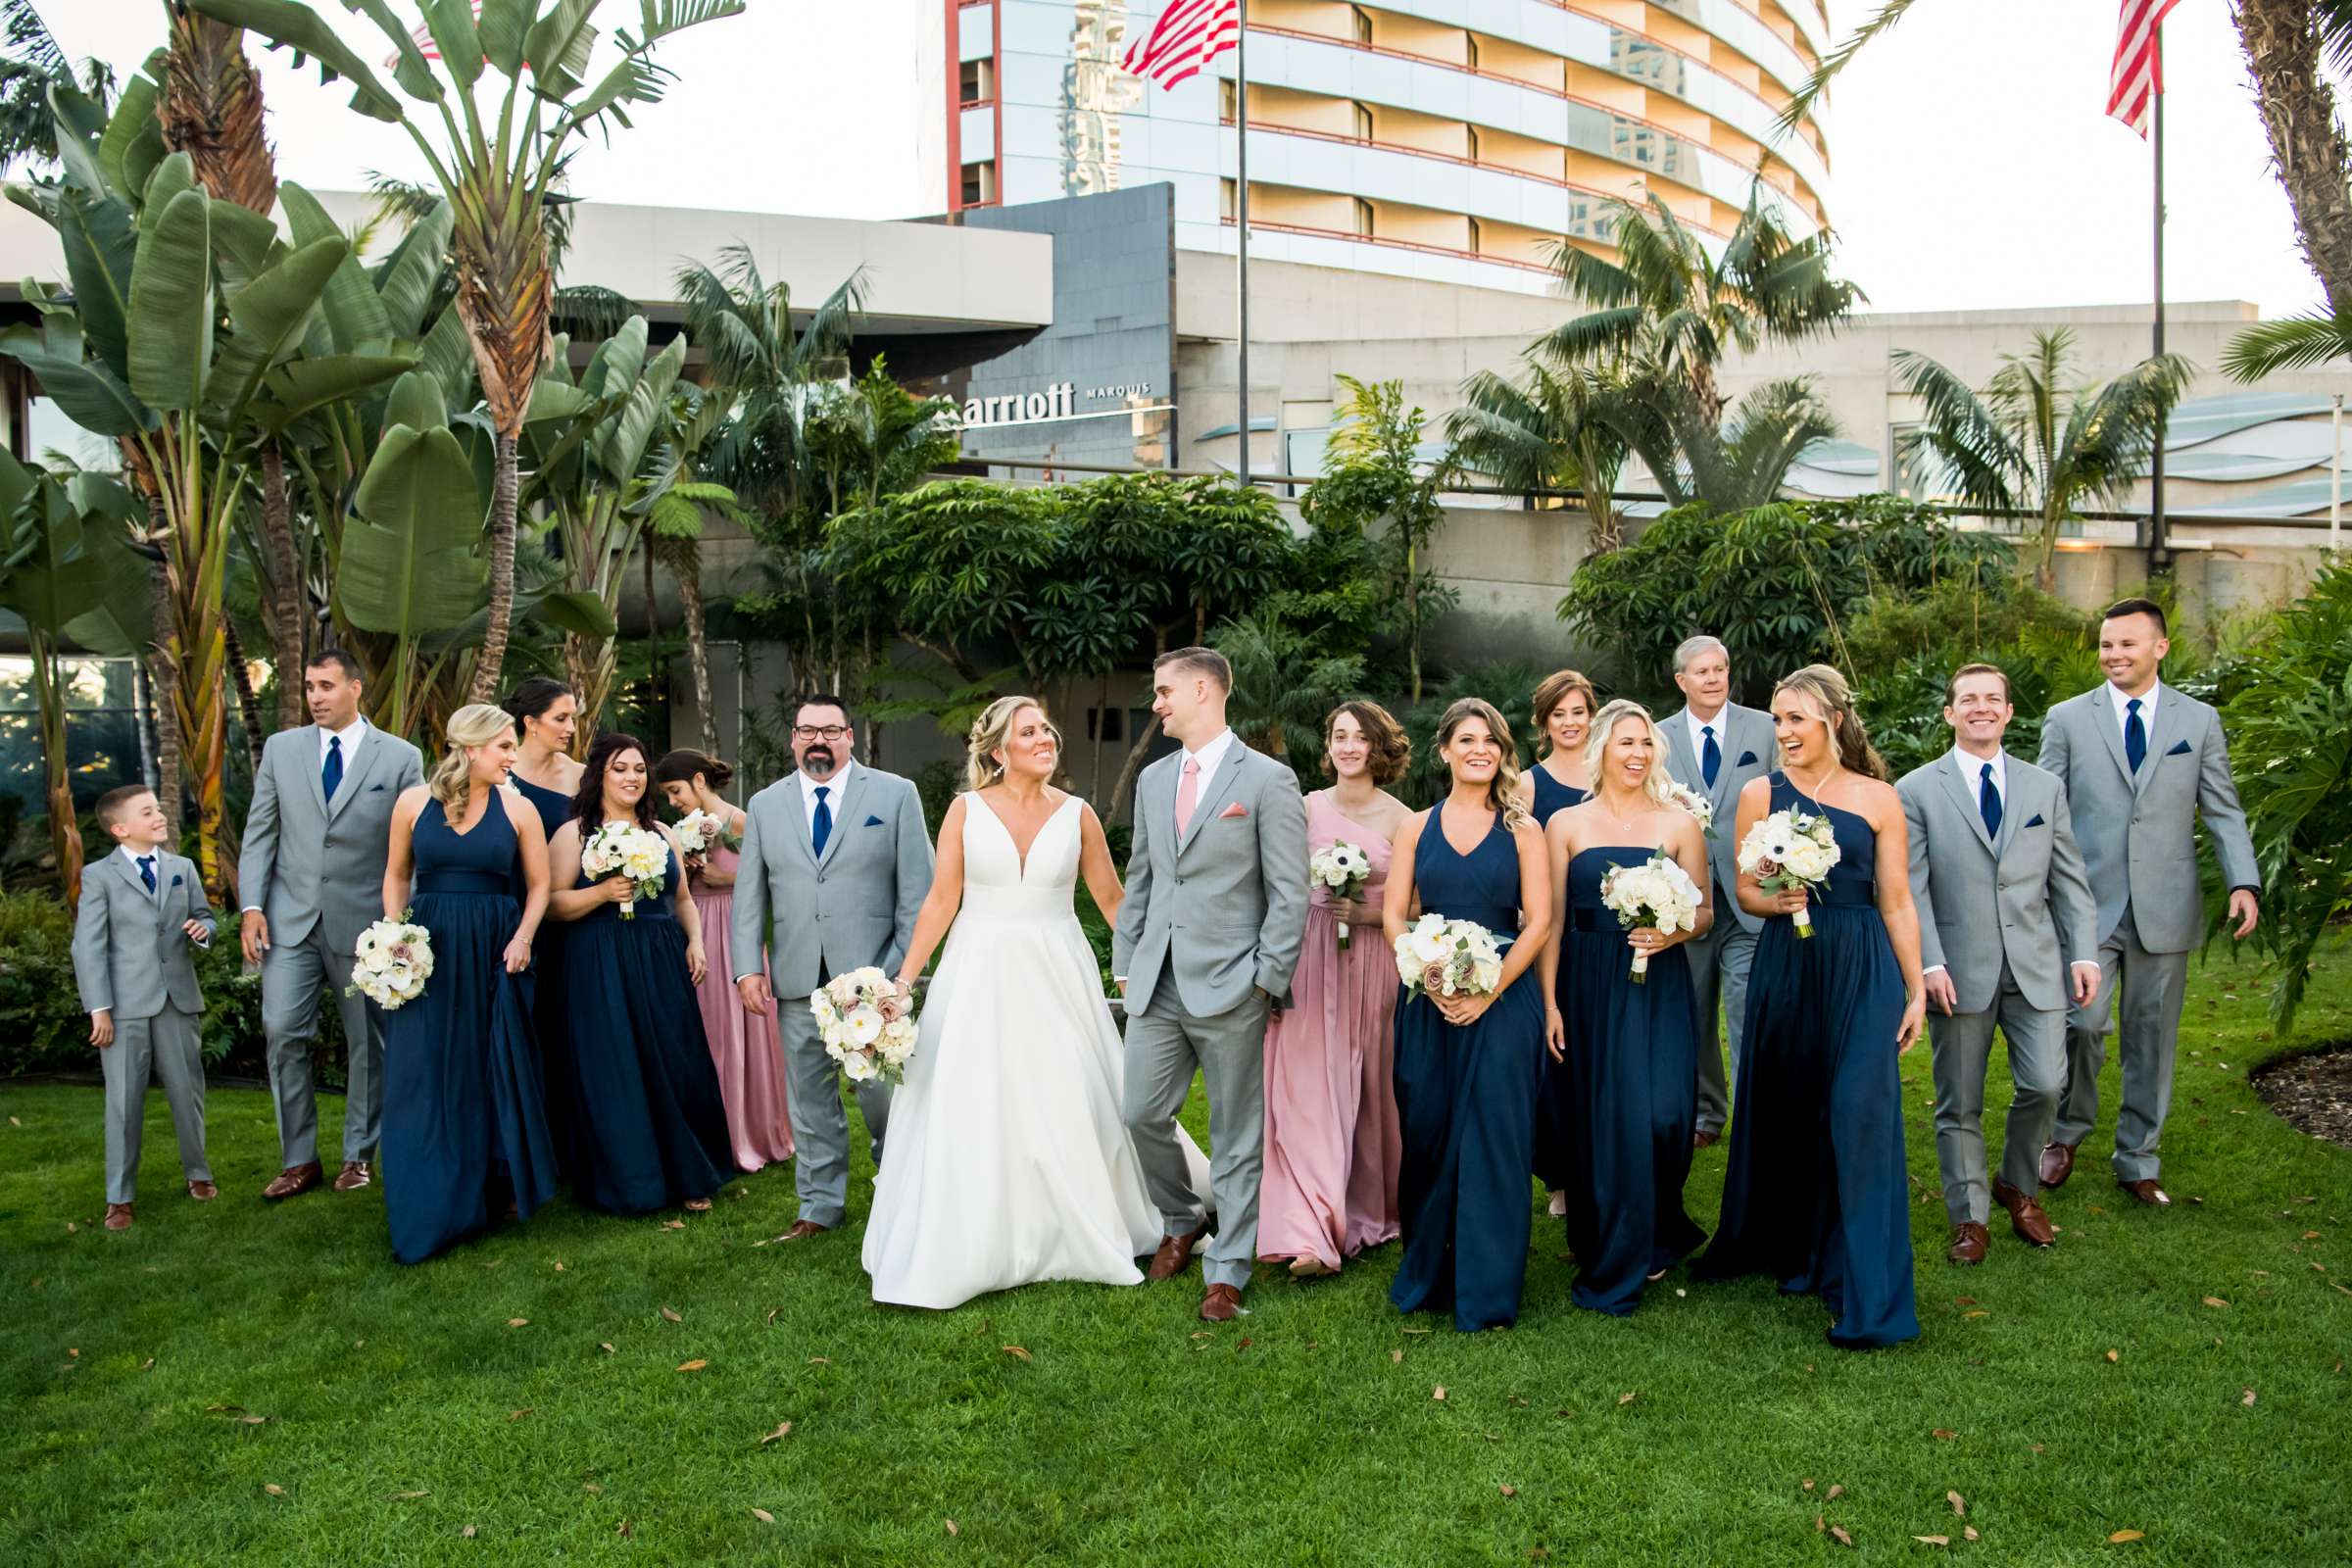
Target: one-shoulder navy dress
pixel 1816 1195
pixel 465 1131
pixel 1632 1066
pixel 652 1128
pixel 547 999
pixel 1466 1101
pixel 1552 796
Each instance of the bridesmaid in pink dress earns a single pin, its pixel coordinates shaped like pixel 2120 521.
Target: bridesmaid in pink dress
pixel 1332 1139
pixel 743 1045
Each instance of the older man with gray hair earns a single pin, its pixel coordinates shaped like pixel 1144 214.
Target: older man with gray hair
pixel 1714 747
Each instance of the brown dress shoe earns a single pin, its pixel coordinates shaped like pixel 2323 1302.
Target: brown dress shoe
pixel 293 1179
pixel 1969 1241
pixel 203 1191
pixel 354 1175
pixel 2147 1191
pixel 118 1217
pixel 2057 1164
pixel 1175 1254
pixel 1704 1137
pixel 1220 1305
pixel 2026 1216
pixel 803 1228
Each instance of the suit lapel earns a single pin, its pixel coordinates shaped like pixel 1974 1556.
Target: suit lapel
pixel 1729 740
pixel 355 775
pixel 2019 811
pixel 1967 808
pixel 2100 710
pixel 1680 764
pixel 1219 791
pixel 310 760
pixel 849 794
pixel 2168 731
pixel 129 876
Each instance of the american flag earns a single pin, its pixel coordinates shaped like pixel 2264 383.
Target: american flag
pixel 2137 74
pixel 1190 34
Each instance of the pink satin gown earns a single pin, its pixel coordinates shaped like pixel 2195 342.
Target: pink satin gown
pixel 1332 1140
pixel 743 1045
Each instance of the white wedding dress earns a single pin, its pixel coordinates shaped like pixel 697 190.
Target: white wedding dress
pixel 1009 1162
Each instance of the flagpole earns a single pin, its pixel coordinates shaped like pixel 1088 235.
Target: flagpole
pixel 1241 227
pixel 2160 554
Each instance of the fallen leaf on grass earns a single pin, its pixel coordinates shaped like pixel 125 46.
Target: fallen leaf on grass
pixel 1835 1492
pixel 147 1365
pixel 605 1345
pixel 1628 1397
pixel 764 1516
pixel 252 1420
pixel 1396 1356
pixel 1838 1535
pixel 2249 1399
pixel 674 1225
pixel 518 1322
pixel 1969 1533
pixel 771 1316
pixel 2114 1356
pixel 409 1497
pixel 1979 1312
pixel 69 1351
pixel 1508 1491
pixel 951 1530
pixel 1808 1483
pixel 623 1531
pixel 517 1415
pixel 1958 1502
pixel 465 1534
pixel 273 1488
pixel 1934 1541
pixel 2121 1536
pixel 2215 1301
pixel 672 1317
pixel 1820 1524
pixel 1964 1301
pixel 13 1123
pixel 1016 1350
pixel 821 1360
pixel 1437 1393
pixel 694 1365
pixel 72 1228
pixel 2038 1448
pixel 783 1429
pixel 1946 1435
pixel 592 1488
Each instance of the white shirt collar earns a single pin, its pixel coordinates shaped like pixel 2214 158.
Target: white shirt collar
pixel 351 735
pixel 1210 754
pixel 1972 771
pixel 1698 728
pixel 2147 706
pixel 130 858
pixel 832 786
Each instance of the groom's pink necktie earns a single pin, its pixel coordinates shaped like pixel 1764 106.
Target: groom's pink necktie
pixel 1188 794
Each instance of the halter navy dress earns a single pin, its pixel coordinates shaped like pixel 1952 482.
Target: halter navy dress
pixel 1631 1071
pixel 1466 1099
pixel 652 1128
pixel 1817 1196
pixel 1554 1161
pixel 463 1129
pixel 547 1004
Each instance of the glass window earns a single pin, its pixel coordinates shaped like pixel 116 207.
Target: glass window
pixel 1363 123
pixel 102 729
pixel 1363 23
pixel 1363 218
pixel 48 430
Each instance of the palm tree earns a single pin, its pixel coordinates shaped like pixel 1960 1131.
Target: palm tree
pixel 499 173
pixel 30 64
pixel 1547 432
pixel 2035 441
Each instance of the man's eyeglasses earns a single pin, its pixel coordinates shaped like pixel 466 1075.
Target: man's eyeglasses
pixel 814 732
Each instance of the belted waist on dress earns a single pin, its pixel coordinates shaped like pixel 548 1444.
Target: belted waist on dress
pixel 463 882
pixel 1584 918
pixel 1857 895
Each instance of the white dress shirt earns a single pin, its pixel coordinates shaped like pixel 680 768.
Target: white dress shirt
pixel 350 735
pixel 832 788
pixel 1698 739
pixel 1972 773
pixel 2118 697
pixel 1210 754
pixel 132 857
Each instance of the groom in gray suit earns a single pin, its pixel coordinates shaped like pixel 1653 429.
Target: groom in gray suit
pixel 838 853
pixel 2005 938
pixel 1714 745
pixel 2141 761
pixel 313 876
pixel 1208 935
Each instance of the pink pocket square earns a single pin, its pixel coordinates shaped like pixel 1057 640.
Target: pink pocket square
pixel 1237 808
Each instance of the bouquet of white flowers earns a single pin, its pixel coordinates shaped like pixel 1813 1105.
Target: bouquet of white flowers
pixel 1344 870
pixel 624 848
pixel 1789 848
pixel 866 1024
pixel 1698 805
pixel 697 831
pixel 1658 893
pixel 1442 957
pixel 392 963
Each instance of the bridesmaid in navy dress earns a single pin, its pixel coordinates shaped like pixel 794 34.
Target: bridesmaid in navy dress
pixel 547 776
pixel 1629 1051
pixel 1467 1066
pixel 1816 1195
pixel 652 1127
pixel 1563 713
pixel 464 1138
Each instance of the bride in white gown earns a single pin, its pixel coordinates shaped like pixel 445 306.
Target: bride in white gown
pixel 1009 1162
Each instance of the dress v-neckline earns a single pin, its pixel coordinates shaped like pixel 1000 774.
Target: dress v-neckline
pixel 1459 853
pixel 457 832
pixel 1019 853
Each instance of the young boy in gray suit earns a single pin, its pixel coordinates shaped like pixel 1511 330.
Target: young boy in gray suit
pixel 141 907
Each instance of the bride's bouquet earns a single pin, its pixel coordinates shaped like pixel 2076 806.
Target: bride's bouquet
pixel 697 831
pixel 866 1024
pixel 392 963
pixel 1658 893
pixel 1790 849
pixel 624 848
pixel 1441 958
pixel 1698 805
pixel 1344 870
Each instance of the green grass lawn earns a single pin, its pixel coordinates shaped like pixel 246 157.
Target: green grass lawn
pixel 266 1385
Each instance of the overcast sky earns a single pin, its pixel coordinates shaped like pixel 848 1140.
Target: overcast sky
pixel 1972 166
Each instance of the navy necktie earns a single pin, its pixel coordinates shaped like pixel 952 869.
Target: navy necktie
pixel 1710 758
pixel 147 871
pixel 331 774
pixel 1989 801
pixel 820 826
pixel 2135 736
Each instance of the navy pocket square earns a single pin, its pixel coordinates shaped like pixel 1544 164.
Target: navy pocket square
pixel 2179 750
pixel 875 821
pixel 376 790
pixel 1746 759
pixel 2038 820
pixel 177 879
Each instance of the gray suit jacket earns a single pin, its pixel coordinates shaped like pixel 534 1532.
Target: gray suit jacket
pixel 311 864
pixel 1749 750
pixel 2138 833
pixel 2022 896
pixel 130 955
pixel 1222 907
pixel 852 905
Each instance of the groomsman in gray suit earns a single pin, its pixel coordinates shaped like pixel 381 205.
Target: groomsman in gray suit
pixel 313 876
pixel 2141 763
pixel 140 909
pixel 2005 937
pixel 1714 745
pixel 1208 935
pixel 838 853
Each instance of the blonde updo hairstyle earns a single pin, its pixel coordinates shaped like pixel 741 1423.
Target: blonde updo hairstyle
pixel 991 732
pixel 474 725
pixel 1503 791
pixel 1656 784
pixel 1832 702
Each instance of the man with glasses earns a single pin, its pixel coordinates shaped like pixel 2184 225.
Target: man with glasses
pixel 838 855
